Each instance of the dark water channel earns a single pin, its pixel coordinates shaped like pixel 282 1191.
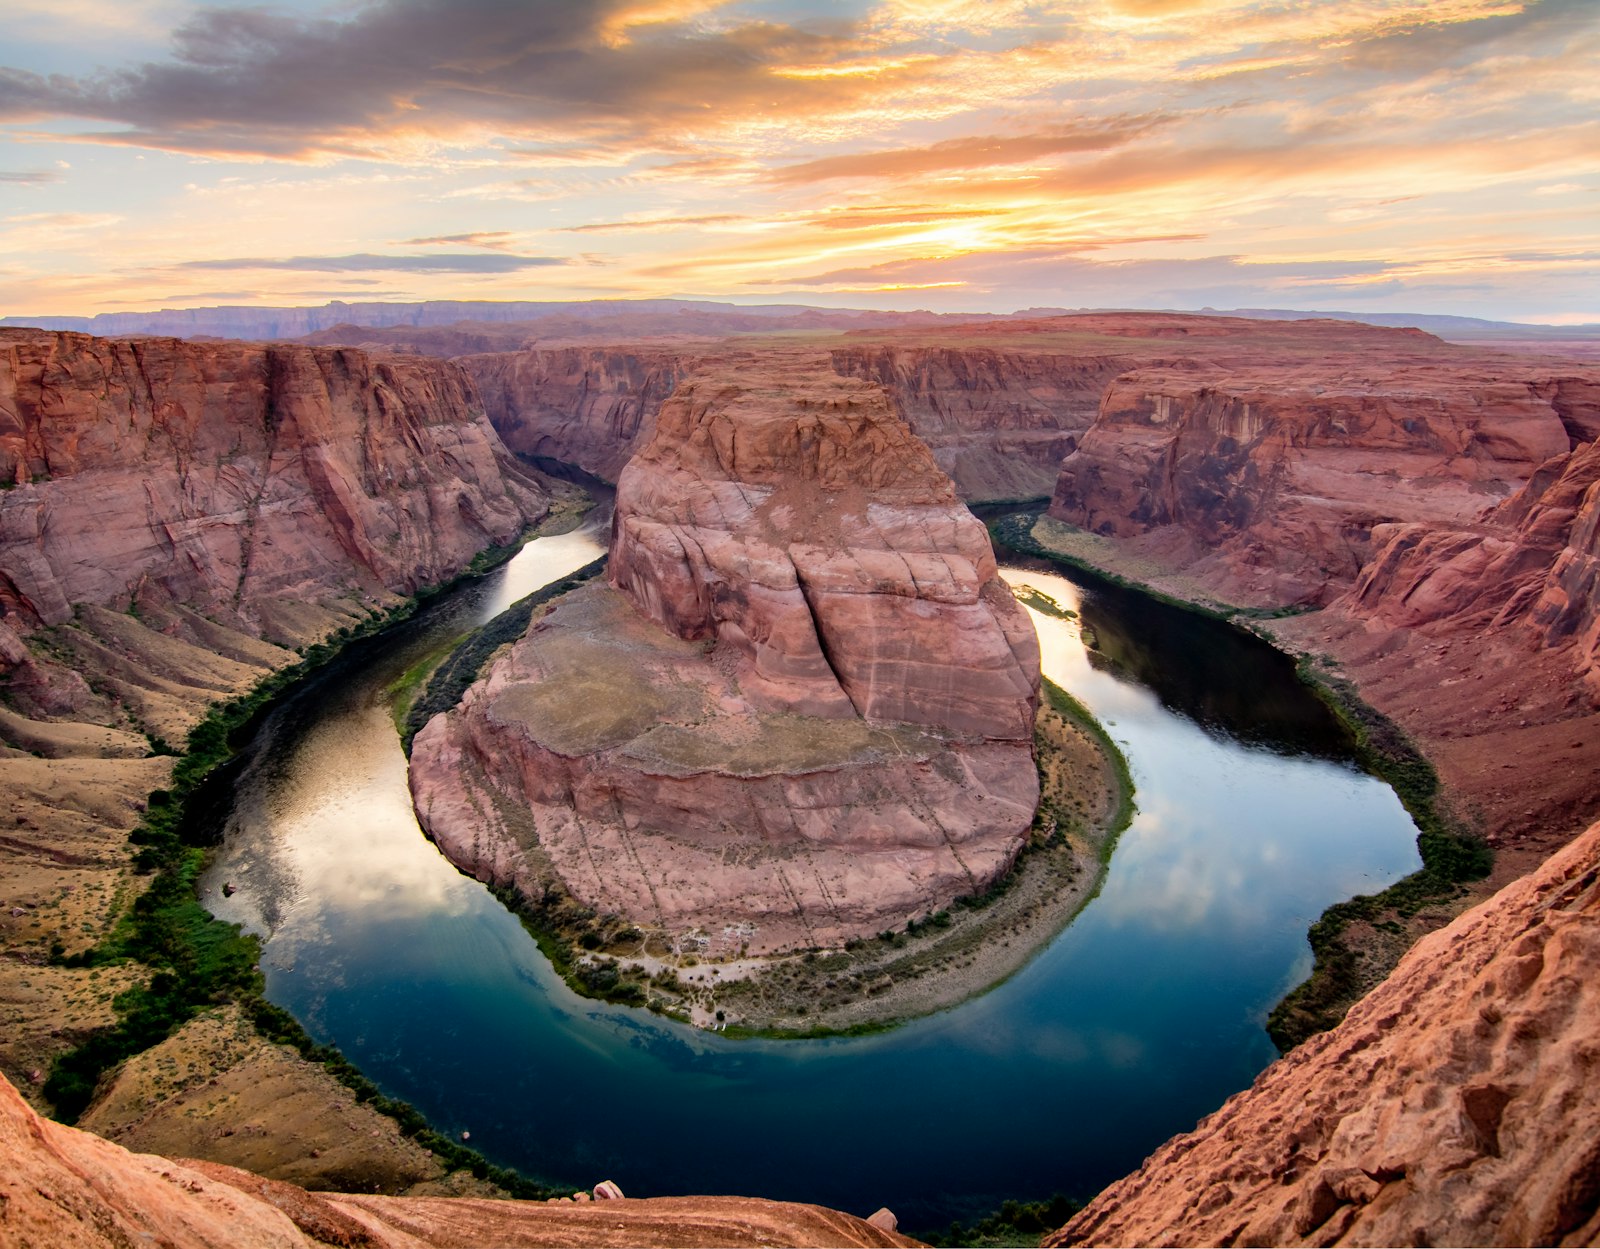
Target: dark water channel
pixel 1138 1019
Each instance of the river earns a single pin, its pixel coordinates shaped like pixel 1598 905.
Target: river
pixel 1141 1017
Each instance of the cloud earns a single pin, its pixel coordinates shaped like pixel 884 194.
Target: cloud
pixel 497 240
pixel 30 177
pixel 655 223
pixel 398 75
pixel 971 152
pixel 463 262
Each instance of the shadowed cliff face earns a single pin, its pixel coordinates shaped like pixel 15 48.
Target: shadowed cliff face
pixel 803 714
pixel 239 478
pixel 593 407
pixel 178 516
pixel 1275 476
pixel 1454 1105
pixel 999 422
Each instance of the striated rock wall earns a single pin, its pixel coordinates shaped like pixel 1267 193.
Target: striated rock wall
pixel 999 422
pixel 803 714
pixel 1531 564
pixel 816 537
pixel 1455 1105
pixel 593 407
pixel 241 479
pixel 71 1190
pixel 1268 482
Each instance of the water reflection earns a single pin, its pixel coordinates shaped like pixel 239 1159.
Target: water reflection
pixel 1139 1019
pixel 1204 669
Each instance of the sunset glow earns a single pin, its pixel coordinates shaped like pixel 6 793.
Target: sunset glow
pixel 1370 155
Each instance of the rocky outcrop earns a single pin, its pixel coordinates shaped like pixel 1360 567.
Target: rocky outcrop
pixel 803 713
pixel 67 1188
pixel 999 422
pixel 1532 564
pixel 593 407
pixel 243 481
pixel 1455 1105
pixel 1268 481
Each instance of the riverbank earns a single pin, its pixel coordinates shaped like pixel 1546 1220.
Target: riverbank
pixel 1357 942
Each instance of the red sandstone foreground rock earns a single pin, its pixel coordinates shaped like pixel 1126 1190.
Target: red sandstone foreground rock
pixel 244 481
pixel 804 713
pixel 65 1189
pixel 1457 1104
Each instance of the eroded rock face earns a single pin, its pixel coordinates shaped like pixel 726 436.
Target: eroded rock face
pixel 67 1188
pixel 1276 476
pixel 1455 1105
pixel 593 407
pixel 999 422
pixel 802 711
pixel 243 480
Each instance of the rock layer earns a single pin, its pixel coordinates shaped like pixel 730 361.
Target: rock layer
pixel 242 480
pixel 1275 477
pixel 998 421
pixel 1454 1105
pixel 593 407
pixel 803 714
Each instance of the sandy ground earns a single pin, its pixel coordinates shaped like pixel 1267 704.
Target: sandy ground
pixel 215 1090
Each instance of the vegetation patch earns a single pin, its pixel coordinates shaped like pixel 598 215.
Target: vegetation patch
pixel 1014 1223
pixel 450 679
pixel 1451 855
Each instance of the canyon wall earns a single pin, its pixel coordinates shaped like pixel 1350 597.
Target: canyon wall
pixel 1268 480
pixel 998 421
pixel 1455 1105
pixel 242 480
pixel 180 516
pixel 593 407
pixel 802 712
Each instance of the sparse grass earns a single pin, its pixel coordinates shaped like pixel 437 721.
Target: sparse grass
pixel 1451 855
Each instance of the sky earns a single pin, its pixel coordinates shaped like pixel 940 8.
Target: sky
pixel 1434 156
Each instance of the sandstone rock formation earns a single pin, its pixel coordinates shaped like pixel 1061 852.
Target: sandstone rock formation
pixel 179 515
pixel 1271 477
pixel 1533 563
pixel 998 421
pixel 803 714
pixel 593 407
pixel 244 481
pixel 1455 1105
pixel 67 1189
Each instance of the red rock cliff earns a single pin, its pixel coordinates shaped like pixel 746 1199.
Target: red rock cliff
pixel 240 478
pixel 805 717
pixel 999 422
pixel 589 406
pixel 1272 477
pixel 68 1189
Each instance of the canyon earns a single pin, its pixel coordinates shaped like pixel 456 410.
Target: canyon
pixel 802 710
pixel 1418 519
